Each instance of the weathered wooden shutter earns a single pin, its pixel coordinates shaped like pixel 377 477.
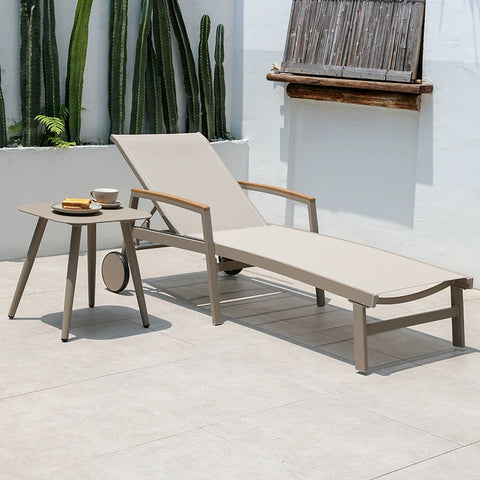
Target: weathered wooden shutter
pixel 363 39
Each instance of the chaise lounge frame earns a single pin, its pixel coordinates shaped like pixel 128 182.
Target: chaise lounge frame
pixel 206 244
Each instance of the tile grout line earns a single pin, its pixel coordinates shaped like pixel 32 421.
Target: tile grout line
pixel 383 475
pixel 246 447
pixel 77 382
pixel 400 422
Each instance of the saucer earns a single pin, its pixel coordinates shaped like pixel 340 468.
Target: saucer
pixel 110 205
pixel 94 207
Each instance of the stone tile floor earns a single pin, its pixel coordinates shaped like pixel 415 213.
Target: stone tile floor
pixel 270 394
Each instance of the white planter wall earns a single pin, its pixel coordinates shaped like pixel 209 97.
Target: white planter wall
pixel 31 175
pixel 403 181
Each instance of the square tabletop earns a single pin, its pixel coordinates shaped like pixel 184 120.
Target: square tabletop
pixel 121 214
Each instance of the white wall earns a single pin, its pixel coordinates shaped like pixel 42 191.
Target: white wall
pixel 33 175
pixel 95 120
pixel 403 181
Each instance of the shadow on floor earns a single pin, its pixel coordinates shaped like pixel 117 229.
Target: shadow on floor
pixel 288 313
pixel 105 322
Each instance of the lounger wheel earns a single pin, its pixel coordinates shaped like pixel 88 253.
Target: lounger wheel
pixel 229 272
pixel 115 272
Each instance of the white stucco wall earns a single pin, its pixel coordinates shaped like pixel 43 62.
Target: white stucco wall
pixel 95 120
pixel 403 181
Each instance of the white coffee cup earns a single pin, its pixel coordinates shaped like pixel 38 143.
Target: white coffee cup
pixel 104 195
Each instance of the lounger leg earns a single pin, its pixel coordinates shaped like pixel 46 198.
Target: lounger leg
pixel 458 329
pixel 213 287
pixel 320 294
pixel 211 267
pixel 27 265
pixel 71 280
pixel 135 271
pixel 91 260
pixel 360 337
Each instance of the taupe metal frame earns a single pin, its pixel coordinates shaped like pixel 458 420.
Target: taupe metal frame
pixel 362 329
pixel 44 213
pixel 185 166
pixel 297 197
pixel 206 246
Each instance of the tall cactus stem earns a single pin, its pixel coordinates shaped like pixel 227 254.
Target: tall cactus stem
pixel 153 91
pixel 30 69
pixel 219 84
pixel 190 78
pixel 138 85
pixel 3 119
pixel 117 65
pixel 205 78
pixel 77 54
pixel 163 48
pixel 51 74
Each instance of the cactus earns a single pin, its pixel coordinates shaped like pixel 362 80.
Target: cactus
pixel 51 73
pixel 3 119
pixel 219 85
pixel 117 63
pixel 30 69
pixel 77 54
pixel 190 78
pixel 138 85
pixel 153 90
pixel 205 77
pixel 163 48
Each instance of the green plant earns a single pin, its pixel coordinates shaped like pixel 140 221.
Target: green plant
pixel 3 118
pixel 77 54
pixel 51 73
pixel 55 127
pixel 153 91
pixel 138 85
pixel 219 85
pixel 30 68
pixel 163 48
pixel 117 63
pixel 190 78
pixel 15 134
pixel 205 78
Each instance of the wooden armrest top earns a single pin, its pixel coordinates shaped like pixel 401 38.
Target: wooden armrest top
pixel 276 191
pixel 168 198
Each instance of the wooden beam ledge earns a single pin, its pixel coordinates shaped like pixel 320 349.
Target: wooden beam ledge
pixel 349 83
pixel 405 96
pixel 376 98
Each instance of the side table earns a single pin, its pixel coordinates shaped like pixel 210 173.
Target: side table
pixel 125 216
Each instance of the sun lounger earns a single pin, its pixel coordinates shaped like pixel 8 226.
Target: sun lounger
pixel 207 211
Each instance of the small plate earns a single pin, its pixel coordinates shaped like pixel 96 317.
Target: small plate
pixel 94 207
pixel 110 205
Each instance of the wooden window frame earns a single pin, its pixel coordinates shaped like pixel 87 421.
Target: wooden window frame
pixel 334 82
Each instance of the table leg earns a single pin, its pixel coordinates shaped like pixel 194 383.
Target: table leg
pixel 91 260
pixel 27 265
pixel 71 280
pixel 135 271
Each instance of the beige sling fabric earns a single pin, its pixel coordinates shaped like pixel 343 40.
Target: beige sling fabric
pixel 351 270
pixel 187 166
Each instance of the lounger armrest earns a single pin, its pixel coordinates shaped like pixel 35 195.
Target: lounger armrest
pixel 170 199
pixel 289 194
pixel 282 192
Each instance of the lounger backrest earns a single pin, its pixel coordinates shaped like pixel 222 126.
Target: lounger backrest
pixel 186 165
